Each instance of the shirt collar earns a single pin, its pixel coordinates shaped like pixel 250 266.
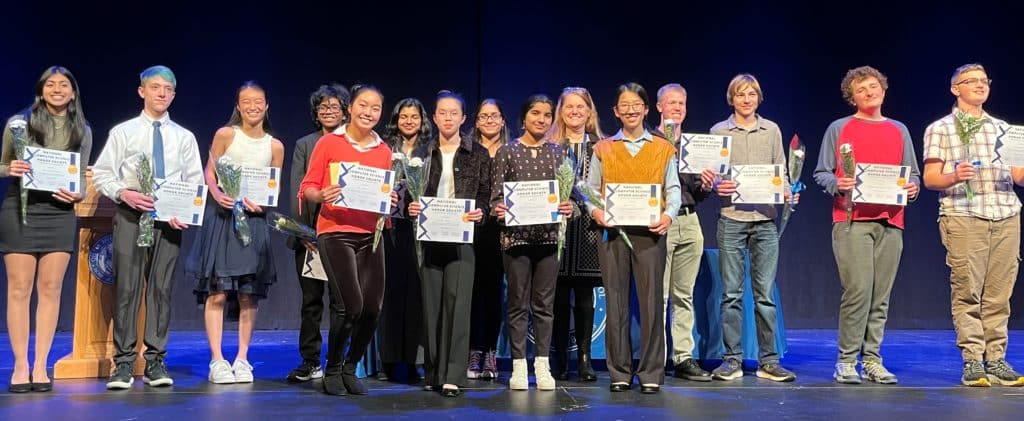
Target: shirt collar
pixel 984 114
pixel 730 123
pixel 340 131
pixel 646 136
pixel 163 120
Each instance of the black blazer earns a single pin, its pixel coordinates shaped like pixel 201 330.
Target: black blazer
pixel 472 168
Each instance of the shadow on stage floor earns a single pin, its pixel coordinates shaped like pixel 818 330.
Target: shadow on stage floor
pixel 927 363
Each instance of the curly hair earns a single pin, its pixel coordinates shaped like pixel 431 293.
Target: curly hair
pixel 857 75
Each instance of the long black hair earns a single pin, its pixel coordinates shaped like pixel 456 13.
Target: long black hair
pixel 529 103
pixel 503 134
pixel 39 120
pixel 637 89
pixel 393 136
pixel 236 117
pixel 333 90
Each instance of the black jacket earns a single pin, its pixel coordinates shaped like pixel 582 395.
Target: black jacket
pixel 472 169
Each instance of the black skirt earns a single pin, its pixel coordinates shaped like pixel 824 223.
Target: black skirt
pixel 51 223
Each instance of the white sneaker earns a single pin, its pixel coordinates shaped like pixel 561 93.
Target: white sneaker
pixel 220 372
pixel 520 379
pixel 542 369
pixel 243 371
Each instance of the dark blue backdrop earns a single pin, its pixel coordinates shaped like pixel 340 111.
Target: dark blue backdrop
pixel 508 50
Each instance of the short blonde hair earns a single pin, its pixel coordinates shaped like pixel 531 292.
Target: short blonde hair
pixel 964 69
pixel 857 75
pixel 741 81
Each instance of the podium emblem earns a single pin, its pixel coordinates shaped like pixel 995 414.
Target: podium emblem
pixel 101 259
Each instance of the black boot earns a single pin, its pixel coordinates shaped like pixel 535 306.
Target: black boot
pixel 584 333
pixel 352 383
pixel 561 368
pixel 332 382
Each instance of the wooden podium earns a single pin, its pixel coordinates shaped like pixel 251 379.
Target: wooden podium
pixel 93 347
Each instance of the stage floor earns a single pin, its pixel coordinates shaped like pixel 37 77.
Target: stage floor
pixel 927 363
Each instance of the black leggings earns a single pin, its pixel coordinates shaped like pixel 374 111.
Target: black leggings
pixel 355 275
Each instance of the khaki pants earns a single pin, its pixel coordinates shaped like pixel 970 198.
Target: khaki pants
pixel 685 248
pixel 983 257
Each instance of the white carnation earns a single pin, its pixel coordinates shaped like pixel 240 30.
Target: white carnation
pixel 798 153
pixel 416 162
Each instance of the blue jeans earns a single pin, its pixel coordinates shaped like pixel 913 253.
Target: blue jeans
pixel 762 239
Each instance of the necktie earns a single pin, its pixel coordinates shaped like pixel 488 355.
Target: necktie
pixel 158 151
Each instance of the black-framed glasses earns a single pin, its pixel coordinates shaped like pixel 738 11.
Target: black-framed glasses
pixel 636 106
pixel 333 108
pixel 974 81
pixel 489 117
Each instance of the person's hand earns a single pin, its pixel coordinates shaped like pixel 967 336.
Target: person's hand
pixel 845 184
pixel 912 190
pixel 598 216
pixel 726 188
pixel 565 208
pixel 475 215
pixel 250 206
pixel 661 227
pixel 176 224
pixel 796 198
pixel 415 208
pixel 137 201
pixel 707 178
pixel 394 198
pixel 330 194
pixel 225 201
pixel 19 168
pixel 964 171
pixel 67 197
pixel 500 210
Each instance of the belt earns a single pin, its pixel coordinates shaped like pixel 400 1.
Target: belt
pixel 687 209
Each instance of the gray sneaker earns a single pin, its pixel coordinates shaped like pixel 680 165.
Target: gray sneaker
pixel 1000 372
pixel 974 374
pixel 122 378
pixel 729 370
pixel 775 372
pixel 876 372
pixel 846 373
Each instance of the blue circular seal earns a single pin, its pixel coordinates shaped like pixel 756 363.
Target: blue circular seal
pixel 101 259
pixel 600 322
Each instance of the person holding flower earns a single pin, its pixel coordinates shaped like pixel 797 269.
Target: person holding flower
pixel 577 129
pixel 174 154
pixel 329 109
pixel 457 168
pixel 869 242
pixel 755 140
pixel 529 251
pixel 37 245
pixel 634 155
pixel 225 270
pixel 401 328
pixel 981 233
pixel 355 270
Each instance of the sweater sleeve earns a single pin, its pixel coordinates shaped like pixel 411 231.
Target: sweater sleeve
pixel 825 172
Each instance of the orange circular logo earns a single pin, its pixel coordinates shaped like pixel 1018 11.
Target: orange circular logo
pixel 72 169
pixel 385 188
pixel 724 152
pixel 198 201
pixel 652 202
pixel 901 181
pixel 552 198
pixel 271 183
pixel 777 181
pixel 465 217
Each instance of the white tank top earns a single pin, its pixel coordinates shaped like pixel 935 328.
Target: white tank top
pixel 250 152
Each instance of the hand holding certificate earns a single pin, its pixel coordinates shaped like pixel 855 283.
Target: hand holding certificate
pixel 760 184
pixel 261 185
pixel 52 170
pixel 700 151
pixel 445 220
pixel 881 184
pixel 531 202
pixel 1009 146
pixel 363 188
pixel 632 204
pixel 181 200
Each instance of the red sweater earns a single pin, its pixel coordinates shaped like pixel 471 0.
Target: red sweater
pixel 336 148
pixel 873 143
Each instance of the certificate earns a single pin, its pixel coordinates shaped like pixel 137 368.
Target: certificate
pixel 700 151
pixel 52 170
pixel 1009 146
pixel 760 184
pixel 531 202
pixel 178 199
pixel 362 187
pixel 261 185
pixel 445 220
pixel 632 204
pixel 881 184
pixel 313 267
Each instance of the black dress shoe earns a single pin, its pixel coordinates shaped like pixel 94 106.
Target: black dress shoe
pixel 20 387
pixel 450 393
pixel 352 383
pixel 334 385
pixel 619 387
pixel 690 370
pixel 42 387
pixel 650 390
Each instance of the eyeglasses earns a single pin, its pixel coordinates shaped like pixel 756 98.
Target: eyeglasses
pixel 636 106
pixel 328 108
pixel 489 117
pixel 975 81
